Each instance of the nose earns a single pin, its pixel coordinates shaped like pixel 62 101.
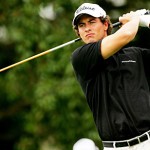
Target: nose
pixel 87 28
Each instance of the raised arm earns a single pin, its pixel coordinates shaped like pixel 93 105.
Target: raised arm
pixel 114 42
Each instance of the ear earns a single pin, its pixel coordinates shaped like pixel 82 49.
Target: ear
pixel 78 33
pixel 106 25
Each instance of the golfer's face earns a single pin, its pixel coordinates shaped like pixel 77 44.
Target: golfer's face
pixel 91 29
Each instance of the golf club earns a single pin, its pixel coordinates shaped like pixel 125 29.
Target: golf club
pixel 55 48
pixel 40 54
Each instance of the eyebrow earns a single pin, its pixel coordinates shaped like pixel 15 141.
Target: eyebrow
pixel 90 19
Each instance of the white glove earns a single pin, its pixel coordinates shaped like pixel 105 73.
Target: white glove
pixel 145 21
pixel 141 11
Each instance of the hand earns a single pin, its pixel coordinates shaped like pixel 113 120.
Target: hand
pixel 141 12
pixel 128 17
pixel 145 21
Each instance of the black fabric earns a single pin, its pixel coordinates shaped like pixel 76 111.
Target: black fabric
pixel 117 89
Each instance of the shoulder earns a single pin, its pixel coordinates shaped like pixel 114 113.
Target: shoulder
pixel 86 48
pixel 133 49
pixel 137 51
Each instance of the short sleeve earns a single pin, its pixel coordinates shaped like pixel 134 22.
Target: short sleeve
pixel 87 60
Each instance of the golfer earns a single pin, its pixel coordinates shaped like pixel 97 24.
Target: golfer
pixel 114 78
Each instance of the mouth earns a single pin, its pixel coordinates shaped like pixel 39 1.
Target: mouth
pixel 90 35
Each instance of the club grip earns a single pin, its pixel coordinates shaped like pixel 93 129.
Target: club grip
pixel 147 12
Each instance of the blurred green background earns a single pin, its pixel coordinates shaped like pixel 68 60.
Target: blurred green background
pixel 42 106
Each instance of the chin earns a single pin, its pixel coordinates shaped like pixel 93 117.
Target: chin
pixel 91 41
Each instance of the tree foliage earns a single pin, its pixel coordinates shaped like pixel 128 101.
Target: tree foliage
pixel 41 104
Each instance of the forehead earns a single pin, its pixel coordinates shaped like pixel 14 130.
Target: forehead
pixel 85 17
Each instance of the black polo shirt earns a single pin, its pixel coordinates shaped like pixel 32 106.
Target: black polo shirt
pixel 117 89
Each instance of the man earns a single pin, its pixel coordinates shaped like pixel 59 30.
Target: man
pixel 115 79
pixel 85 144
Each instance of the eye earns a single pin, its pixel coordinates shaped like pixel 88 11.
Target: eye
pixel 92 21
pixel 80 25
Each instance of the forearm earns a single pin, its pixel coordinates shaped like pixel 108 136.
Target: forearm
pixel 128 30
pixel 113 43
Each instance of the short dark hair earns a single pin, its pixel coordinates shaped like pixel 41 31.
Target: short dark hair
pixel 103 20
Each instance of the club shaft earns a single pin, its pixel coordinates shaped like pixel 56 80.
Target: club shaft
pixel 117 24
pixel 40 54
